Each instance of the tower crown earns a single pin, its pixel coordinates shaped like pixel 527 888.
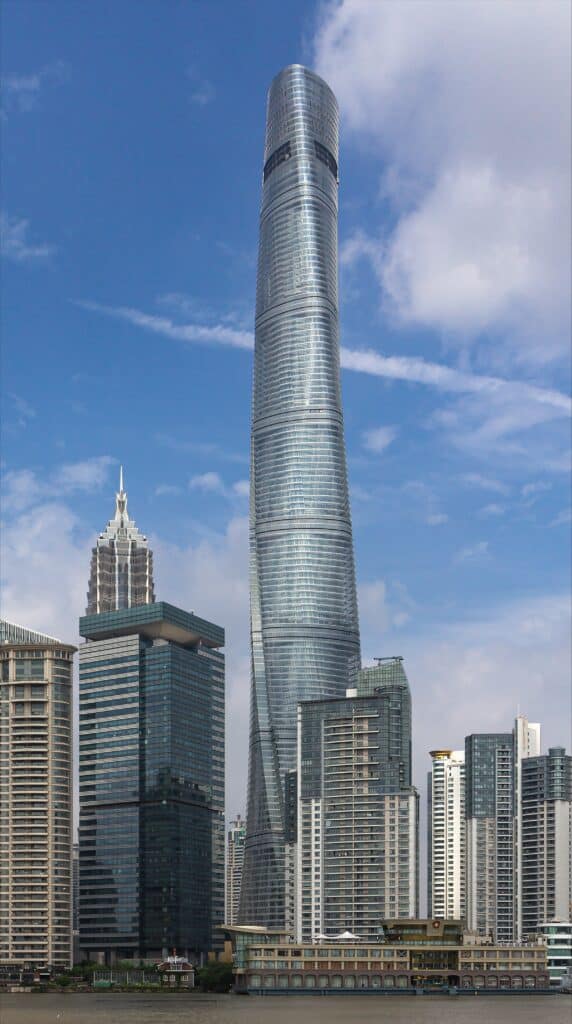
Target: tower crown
pixel 121 563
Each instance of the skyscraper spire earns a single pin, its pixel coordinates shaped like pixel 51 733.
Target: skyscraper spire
pixel 121 563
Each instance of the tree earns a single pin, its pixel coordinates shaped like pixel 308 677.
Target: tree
pixel 215 976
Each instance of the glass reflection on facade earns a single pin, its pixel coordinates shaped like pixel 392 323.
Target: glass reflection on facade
pixel 151 783
pixel 304 627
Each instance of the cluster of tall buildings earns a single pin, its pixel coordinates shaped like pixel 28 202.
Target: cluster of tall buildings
pixel 499 825
pixel 331 840
pixel 148 872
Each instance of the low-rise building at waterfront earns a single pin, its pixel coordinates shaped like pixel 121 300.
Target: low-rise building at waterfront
pixel 558 938
pixel 414 954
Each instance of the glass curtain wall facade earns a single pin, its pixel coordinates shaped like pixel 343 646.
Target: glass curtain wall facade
pixel 304 626
pixel 151 784
pixel 35 798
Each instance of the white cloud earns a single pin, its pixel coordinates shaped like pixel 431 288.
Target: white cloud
pixel 219 334
pixel 493 509
pixel 484 482
pixel 15 244
pixel 475 151
pixel 536 487
pixel 209 482
pixel 379 438
pixel 21 92
pixel 23 487
pixel 473 553
pixel 563 518
pixel 212 483
pixel 437 518
pixel 403 368
pixel 484 421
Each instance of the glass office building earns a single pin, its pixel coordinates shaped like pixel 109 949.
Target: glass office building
pixel 546 809
pixel 304 625
pixel 151 830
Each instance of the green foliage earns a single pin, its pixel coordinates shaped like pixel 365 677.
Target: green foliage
pixel 215 976
pixel 63 980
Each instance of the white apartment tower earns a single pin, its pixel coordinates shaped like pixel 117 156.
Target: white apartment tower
pixel 446 835
pixel 35 798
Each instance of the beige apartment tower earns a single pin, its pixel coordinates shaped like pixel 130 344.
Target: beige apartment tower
pixel 35 798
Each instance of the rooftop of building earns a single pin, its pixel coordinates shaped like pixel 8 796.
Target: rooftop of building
pixel 13 635
pixel 154 621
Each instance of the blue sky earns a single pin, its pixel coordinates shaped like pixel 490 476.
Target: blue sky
pixel 132 147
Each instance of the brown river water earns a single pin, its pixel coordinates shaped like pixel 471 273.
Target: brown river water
pixel 126 1008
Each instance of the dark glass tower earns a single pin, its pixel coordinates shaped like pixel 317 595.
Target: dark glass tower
pixel 151 779
pixel 304 626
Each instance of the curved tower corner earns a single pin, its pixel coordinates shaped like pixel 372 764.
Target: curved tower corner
pixel 304 624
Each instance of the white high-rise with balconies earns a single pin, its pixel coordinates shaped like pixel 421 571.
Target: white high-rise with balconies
pixel 35 798
pixel 446 835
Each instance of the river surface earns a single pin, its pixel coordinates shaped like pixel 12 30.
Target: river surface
pixel 126 1008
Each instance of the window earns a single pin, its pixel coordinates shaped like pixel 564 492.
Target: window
pixel 326 157
pixel 276 158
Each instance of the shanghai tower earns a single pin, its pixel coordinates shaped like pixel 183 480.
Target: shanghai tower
pixel 304 623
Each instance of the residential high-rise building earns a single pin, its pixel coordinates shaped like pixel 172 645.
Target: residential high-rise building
pixel 304 624
pixel 446 835
pixel 526 743
pixel 357 832
pixel 234 862
pixel 490 831
pixel 121 564
pixel 494 766
pixel 35 798
pixel 546 808
pixel 151 831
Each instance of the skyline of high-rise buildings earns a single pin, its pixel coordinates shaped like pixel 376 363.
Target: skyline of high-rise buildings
pixel 333 816
pixel 304 623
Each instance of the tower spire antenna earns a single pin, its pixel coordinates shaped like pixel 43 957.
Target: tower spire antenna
pixel 120 498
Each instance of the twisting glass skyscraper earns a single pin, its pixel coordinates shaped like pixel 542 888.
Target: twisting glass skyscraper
pixel 305 637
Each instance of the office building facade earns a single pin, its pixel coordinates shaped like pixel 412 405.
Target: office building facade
pixel 151 830
pixel 357 829
pixel 35 798
pixel 546 809
pixel 304 626
pixel 234 862
pixel 121 573
pixel 446 861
